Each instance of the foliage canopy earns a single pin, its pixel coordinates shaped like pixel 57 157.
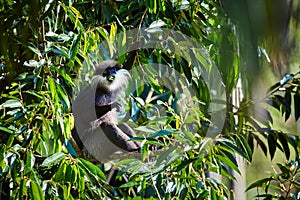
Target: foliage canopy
pixel 44 45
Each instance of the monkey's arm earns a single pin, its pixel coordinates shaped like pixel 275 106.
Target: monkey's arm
pixel 127 130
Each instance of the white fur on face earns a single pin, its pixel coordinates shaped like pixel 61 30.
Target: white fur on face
pixel 99 80
pixel 120 81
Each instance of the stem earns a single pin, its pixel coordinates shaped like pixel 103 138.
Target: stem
pixel 152 178
pixel 44 39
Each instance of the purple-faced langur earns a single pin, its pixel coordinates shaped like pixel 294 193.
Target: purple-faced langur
pixel 109 81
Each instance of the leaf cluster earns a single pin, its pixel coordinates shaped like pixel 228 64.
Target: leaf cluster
pixel 46 44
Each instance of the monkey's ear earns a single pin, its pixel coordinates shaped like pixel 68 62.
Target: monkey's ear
pixel 128 64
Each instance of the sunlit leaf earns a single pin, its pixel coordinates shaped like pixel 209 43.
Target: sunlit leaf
pixel 36 191
pixel 30 160
pixel 157 23
pixel 75 46
pixel 5 129
pixel 91 168
pixel 229 161
pixel 53 160
pixel 11 103
pixel 129 184
pixel 60 174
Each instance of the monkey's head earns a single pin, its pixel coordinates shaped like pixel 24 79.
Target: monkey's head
pixel 110 75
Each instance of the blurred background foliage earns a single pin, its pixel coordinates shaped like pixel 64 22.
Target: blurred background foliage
pixel 44 44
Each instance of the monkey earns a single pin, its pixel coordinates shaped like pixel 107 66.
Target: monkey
pixel 113 81
pixel 96 112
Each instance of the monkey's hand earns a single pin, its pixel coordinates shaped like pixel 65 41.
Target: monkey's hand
pixel 118 106
pixel 97 123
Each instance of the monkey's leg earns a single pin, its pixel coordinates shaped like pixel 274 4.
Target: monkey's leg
pixel 118 137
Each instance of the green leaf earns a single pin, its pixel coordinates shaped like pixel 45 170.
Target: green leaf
pixel 63 95
pixel 284 143
pixel 157 24
pixel 59 176
pixel 64 191
pixel 259 183
pixel 81 181
pixel 35 50
pixel 280 101
pixel 35 191
pixel 71 173
pixel 273 101
pixel 136 139
pixel 246 147
pixel 229 161
pixel 74 15
pixel 129 184
pixel 34 93
pixel 297 106
pixel 273 88
pixel 10 141
pixel 53 160
pixel 184 163
pixel 272 143
pixel 203 194
pixel 52 89
pixel 145 129
pixel 30 160
pixel 144 150
pixel 162 133
pixel 11 103
pixel 6 130
pixel 165 156
pixel 185 66
pixel 75 46
pixel 61 50
pixel 23 187
pixel 154 142
pixel 232 146
pixel 287 105
pixel 213 194
pixel 91 168
pixel 161 4
pixel 155 85
pixel 31 63
pixel 205 146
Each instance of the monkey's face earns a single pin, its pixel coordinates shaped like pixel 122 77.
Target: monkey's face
pixel 110 76
pixel 110 73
